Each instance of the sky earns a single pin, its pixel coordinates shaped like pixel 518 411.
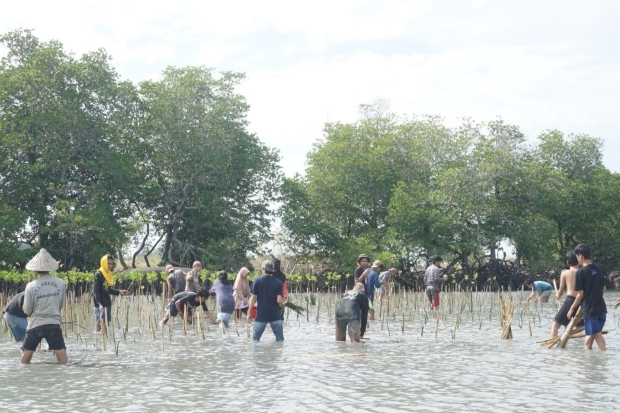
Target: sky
pixel 536 64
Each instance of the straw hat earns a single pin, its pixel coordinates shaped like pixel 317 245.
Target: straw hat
pixel 376 264
pixel 43 261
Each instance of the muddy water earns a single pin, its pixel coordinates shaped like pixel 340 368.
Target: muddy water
pixel 464 367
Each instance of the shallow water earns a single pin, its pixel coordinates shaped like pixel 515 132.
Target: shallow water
pixel 393 371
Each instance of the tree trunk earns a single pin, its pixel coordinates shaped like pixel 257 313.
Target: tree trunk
pixel 120 257
pixel 167 244
pixel 146 256
pixel 133 260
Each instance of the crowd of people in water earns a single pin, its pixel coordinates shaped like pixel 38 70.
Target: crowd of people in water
pixel 35 314
pixel 584 283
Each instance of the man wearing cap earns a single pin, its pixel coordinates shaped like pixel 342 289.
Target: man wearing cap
pixel 359 275
pixel 385 277
pixel 103 288
pixel 175 281
pixel 267 293
pixel 372 283
pixel 43 301
pixel 192 282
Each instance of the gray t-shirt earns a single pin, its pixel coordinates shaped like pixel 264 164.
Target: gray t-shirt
pixel 177 279
pixel 432 276
pixel 43 300
pixel 192 282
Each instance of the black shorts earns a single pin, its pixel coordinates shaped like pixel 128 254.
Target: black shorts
pixel 174 312
pixel 560 317
pixel 50 332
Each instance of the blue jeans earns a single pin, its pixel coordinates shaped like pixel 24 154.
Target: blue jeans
pixel 276 326
pixel 17 325
pixel 99 315
pixel 224 318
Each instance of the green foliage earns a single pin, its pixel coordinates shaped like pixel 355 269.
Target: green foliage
pixel 90 160
pixel 67 180
pixel 402 189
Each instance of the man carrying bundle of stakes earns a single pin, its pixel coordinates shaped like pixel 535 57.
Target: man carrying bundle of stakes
pixel 567 282
pixel 590 286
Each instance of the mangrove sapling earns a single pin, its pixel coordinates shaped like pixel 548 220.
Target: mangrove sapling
pixel 318 309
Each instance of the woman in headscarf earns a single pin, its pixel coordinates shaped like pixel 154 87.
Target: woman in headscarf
pixel 241 292
pixel 103 288
pixel 352 313
pixel 224 301
pixel 279 275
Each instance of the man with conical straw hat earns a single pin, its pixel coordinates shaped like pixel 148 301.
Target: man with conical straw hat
pixel 43 300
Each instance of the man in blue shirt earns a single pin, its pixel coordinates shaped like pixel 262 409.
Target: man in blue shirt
pixel 267 293
pixel 15 317
pixel 542 288
pixel 372 283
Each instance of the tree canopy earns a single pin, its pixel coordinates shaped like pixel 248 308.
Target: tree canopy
pixel 403 189
pixel 93 161
pixel 93 164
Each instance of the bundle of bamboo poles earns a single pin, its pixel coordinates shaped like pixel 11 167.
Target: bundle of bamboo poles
pixel 506 310
pixel 571 330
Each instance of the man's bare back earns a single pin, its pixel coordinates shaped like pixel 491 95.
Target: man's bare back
pixel 567 282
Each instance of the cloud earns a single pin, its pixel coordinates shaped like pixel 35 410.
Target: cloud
pixel 315 62
pixel 533 87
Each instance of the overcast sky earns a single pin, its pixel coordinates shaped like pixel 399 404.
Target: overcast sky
pixel 538 64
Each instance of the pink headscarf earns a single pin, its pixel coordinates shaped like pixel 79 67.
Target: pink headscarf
pixel 242 286
pixel 358 288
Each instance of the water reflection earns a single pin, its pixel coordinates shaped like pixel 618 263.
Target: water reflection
pixel 470 370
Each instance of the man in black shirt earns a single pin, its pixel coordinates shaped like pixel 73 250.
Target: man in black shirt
pixel 590 286
pixel 193 300
pixel 359 275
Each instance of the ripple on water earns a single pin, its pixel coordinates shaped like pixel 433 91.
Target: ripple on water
pixel 392 372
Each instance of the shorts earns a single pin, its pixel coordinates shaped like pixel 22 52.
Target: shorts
pixel 595 325
pixel 544 296
pixel 223 317
pixel 432 293
pixel 174 312
pixel 99 314
pixel 561 317
pixel 17 325
pixel 50 332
